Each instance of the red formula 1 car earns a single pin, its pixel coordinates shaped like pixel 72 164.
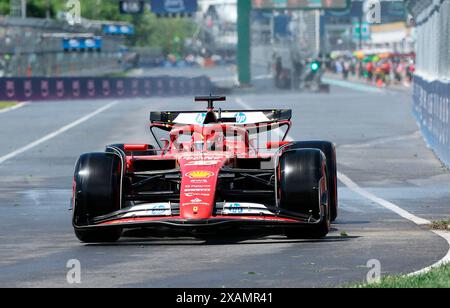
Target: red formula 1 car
pixel 215 170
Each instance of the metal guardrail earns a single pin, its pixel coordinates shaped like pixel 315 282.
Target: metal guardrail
pixel 433 43
pixel 431 103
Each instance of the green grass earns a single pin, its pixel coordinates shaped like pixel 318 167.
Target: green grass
pixel 443 225
pixel 437 278
pixel 4 105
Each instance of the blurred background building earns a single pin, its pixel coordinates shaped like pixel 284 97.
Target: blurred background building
pixel 350 30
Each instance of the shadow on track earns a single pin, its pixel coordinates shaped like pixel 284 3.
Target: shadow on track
pixel 221 241
pixel 354 222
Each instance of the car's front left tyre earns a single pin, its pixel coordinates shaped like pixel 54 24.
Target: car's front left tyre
pixel 329 150
pixel 97 192
pixel 303 189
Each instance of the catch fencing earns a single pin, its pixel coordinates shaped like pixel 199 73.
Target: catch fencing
pixel 34 47
pixel 431 109
pixel 432 81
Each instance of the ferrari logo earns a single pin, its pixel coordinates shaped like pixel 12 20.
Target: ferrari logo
pixel 200 174
pixel 195 209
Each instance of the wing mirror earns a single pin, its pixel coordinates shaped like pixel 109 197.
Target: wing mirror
pixel 271 145
pixel 135 147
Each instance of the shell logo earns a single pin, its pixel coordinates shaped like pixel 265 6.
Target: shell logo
pixel 200 174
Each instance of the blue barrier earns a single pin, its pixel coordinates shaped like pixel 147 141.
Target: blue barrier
pixel 174 6
pixel 37 88
pixel 82 44
pixel 431 106
pixel 118 29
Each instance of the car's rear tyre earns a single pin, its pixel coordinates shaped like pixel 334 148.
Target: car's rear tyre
pixel 329 150
pixel 302 189
pixel 97 192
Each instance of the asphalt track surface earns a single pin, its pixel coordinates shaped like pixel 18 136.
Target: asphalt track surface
pixel 379 148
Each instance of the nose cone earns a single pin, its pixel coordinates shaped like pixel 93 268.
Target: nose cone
pixel 198 184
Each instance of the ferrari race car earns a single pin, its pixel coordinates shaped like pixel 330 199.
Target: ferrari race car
pixel 214 171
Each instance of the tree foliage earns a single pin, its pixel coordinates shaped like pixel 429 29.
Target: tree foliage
pixel 4 7
pixel 102 9
pixel 39 8
pixel 35 8
pixel 166 33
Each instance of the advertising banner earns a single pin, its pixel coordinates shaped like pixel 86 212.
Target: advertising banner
pixel 34 89
pixel 174 6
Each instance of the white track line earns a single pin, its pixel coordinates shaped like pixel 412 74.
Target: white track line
pixel 235 78
pixel 388 205
pixel 243 103
pixel 384 203
pixel 220 79
pixel 382 141
pixel 263 77
pixel 56 133
pixel 351 85
pixel 19 105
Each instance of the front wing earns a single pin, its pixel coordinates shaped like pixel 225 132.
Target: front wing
pixel 226 214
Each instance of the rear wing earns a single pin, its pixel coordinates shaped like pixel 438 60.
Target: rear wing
pixel 232 117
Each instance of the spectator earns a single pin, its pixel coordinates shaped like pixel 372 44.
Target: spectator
pixel 410 71
pixel 370 71
pixel 339 67
pixel 345 69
